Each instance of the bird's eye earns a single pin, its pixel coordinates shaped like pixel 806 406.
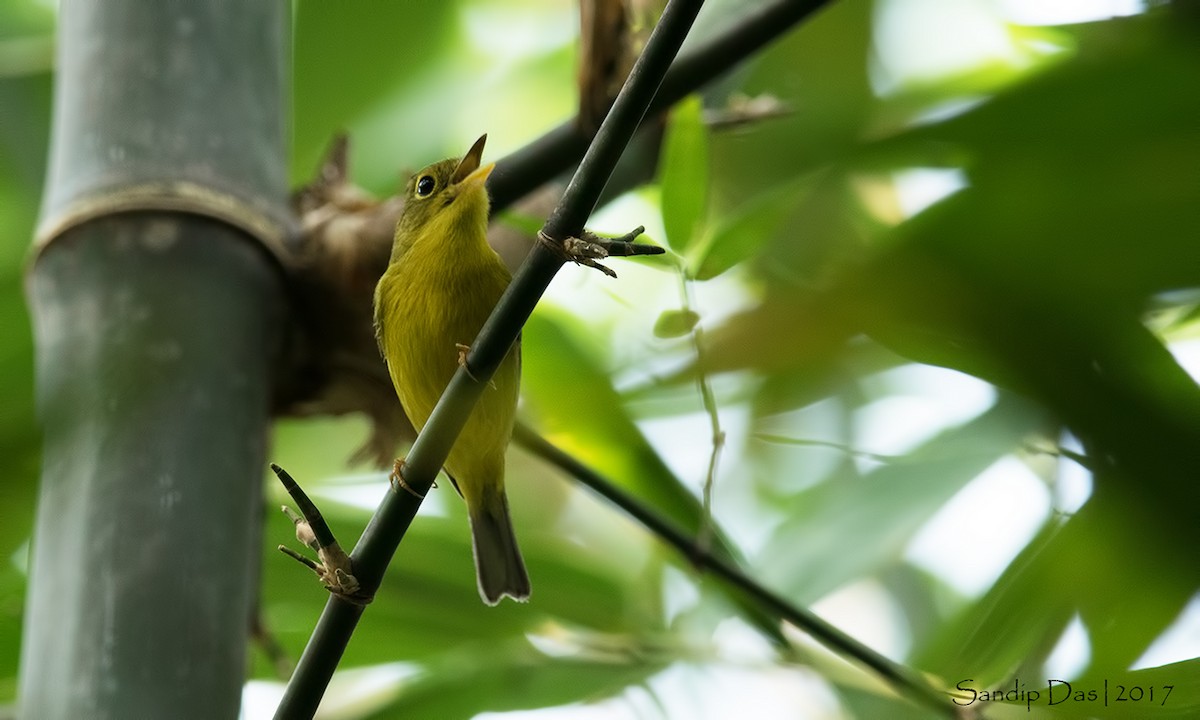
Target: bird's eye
pixel 425 185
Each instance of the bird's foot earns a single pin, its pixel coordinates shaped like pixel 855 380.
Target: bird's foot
pixel 396 479
pixel 462 362
pixel 590 248
pixel 462 359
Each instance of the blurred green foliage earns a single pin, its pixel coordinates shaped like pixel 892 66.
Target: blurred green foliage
pixel 26 33
pixel 1047 275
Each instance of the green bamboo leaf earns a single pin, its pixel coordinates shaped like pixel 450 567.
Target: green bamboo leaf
pixel 1170 692
pixel 743 232
pixel 871 519
pixel 675 323
pixel 1013 620
pixel 1129 172
pixel 573 403
pixel 1090 566
pixel 683 175
pixel 515 676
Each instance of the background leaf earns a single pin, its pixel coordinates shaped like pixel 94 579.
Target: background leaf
pixel 683 174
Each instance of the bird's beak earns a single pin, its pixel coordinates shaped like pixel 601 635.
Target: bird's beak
pixel 469 171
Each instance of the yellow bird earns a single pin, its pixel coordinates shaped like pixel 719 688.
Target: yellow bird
pixel 441 284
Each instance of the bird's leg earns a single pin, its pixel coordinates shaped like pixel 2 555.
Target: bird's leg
pixel 462 357
pixel 396 479
pixel 462 362
pixel 586 251
pixel 590 247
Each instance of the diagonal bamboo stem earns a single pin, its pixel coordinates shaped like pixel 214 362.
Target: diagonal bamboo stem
pixel 389 524
pixel 905 680
pixel 554 153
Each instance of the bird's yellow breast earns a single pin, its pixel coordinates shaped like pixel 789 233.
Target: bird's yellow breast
pixel 432 298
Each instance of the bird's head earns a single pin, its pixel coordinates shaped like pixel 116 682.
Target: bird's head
pixel 447 200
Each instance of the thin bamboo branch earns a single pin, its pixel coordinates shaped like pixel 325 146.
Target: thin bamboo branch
pixel 388 526
pixel 903 679
pixel 554 153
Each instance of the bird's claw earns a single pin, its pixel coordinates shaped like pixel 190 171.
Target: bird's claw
pixel 462 362
pixel 587 250
pixel 396 480
pixel 590 248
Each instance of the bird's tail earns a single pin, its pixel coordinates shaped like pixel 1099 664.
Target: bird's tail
pixel 498 564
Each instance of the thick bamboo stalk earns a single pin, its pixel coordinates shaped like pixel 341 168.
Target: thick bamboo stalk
pixel 154 335
pixel 158 312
